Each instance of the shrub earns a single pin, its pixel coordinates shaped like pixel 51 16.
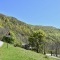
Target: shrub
pixel 17 44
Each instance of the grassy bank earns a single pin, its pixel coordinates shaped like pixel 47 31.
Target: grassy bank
pixel 15 53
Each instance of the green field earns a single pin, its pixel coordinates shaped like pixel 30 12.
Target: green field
pixel 16 53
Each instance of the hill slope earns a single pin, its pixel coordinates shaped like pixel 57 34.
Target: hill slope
pixel 21 30
pixel 15 53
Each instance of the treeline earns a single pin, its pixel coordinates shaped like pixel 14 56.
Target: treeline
pixel 39 43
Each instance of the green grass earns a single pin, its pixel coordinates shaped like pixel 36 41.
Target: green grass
pixel 15 53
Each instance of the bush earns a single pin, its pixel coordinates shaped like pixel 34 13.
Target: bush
pixel 7 39
pixel 18 44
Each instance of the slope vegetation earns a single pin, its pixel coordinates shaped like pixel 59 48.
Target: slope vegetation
pixel 15 53
pixel 21 30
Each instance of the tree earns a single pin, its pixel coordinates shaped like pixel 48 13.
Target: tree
pixel 36 40
pixel 55 43
pixel 8 39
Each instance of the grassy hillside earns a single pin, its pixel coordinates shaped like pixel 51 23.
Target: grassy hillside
pixel 15 53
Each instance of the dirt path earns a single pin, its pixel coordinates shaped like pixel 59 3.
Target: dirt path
pixel 1 43
pixel 52 56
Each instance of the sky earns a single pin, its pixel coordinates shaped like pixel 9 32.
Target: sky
pixel 35 12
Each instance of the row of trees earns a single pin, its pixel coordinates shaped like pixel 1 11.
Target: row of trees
pixel 38 41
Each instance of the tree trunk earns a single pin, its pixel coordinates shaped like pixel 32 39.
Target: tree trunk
pixel 7 45
pixel 44 50
pixel 56 52
pixel 37 48
pixel 51 53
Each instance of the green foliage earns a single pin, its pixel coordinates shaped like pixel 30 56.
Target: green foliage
pixel 7 39
pixel 17 43
pixel 37 39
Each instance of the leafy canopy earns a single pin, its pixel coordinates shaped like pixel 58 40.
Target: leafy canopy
pixel 37 39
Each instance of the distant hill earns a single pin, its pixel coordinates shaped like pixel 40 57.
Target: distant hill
pixel 21 30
